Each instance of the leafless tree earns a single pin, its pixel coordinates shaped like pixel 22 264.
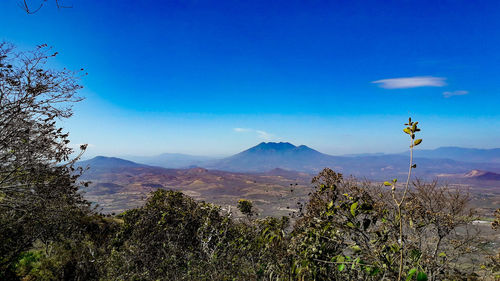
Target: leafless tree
pixel 31 8
pixel 38 184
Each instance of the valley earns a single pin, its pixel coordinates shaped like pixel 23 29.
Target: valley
pixel 270 180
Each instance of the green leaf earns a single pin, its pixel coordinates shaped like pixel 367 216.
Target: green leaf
pixel 411 273
pixel 341 266
pixel 417 142
pixel 330 205
pixel 386 183
pixel 415 255
pixel 442 254
pixel 407 130
pixel 375 271
pixel 421 276
pixel 354 206
pixel 356 261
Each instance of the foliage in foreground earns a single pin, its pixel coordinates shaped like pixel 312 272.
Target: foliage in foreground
pixel 350 230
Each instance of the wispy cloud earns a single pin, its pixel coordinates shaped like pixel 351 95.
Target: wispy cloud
pixel 242 130
pixel 455 93
pixel 260 134
pixel 411 82
pixel 264 135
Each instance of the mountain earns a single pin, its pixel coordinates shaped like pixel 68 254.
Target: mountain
pixel 172 160
pixel 269 155
pixel 475 155
pixel 482 175
pixel 100 165
pixel 108 162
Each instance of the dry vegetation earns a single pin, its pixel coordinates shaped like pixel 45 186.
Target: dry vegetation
pixel 347 230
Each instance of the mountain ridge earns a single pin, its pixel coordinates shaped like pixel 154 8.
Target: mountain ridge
pixel 284 155
pixel 172 160
pixel 267 156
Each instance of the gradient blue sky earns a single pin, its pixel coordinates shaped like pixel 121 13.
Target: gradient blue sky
pixel 216 77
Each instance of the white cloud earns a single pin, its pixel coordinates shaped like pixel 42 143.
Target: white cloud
pixel 264 135
pixel 455 93
pixel 241 130
pixel 411 82
pixel 260 134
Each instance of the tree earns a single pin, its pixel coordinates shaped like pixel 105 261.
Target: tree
pixel 246 208
pixel 173 237
pixel 39 199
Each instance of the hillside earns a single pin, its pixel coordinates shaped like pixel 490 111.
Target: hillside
pixel 482 175
pixel 118 185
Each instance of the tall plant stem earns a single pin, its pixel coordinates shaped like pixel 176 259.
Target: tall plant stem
pixel 399 204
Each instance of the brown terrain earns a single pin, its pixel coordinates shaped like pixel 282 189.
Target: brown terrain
pixel 274 193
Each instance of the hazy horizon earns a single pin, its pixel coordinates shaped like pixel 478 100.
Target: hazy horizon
pixel 217 78
pixel 215 156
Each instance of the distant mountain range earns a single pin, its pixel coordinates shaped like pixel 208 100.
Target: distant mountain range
pixel 266 156
pixel 172 160
pixel 286 156
pixel 265 174
pixel 461 154
pixel 475 155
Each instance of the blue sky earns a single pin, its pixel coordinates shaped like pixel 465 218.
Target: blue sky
pixel 216 77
